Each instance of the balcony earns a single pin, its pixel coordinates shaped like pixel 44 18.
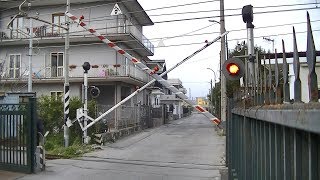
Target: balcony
pixel 98 73
pixel 120 30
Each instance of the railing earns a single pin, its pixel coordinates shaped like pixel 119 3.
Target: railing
pixel 108 27
pixel 97 71
pixel 129 116
pixel 269 135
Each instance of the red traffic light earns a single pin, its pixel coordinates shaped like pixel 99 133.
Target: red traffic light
pixel 233 69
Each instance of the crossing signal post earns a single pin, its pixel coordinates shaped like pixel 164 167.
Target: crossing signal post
pixel 86 67
pixel 233 69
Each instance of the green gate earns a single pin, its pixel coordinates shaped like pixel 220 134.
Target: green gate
pixel 18 136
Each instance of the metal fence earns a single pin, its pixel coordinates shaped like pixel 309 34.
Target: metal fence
pixel 17 136
pixel 129 116
pixel 270 136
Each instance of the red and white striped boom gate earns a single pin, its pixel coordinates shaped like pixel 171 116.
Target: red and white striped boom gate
pixel 146 69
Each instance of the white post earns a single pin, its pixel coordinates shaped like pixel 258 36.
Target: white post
pixel 85 107
pixel 251 54
pixel 30 55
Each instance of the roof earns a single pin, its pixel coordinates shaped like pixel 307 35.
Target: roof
pixel 288 55
pixel 132 6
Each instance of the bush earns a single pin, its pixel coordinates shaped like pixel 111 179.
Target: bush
pixel 51 112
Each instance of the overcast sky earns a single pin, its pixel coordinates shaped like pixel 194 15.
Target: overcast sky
pixel 193 73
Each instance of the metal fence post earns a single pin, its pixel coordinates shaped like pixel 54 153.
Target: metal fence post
pixel 31 138
pixel 273 160
pixel 296 69
pixel 311 60
pixel 285 70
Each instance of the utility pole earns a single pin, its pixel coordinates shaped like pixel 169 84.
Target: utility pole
pixel 30 53
pixel 66 80
pixel 222 60
pixel 211 99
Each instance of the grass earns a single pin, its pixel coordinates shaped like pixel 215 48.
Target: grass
pixel 72 151
pixel 54 146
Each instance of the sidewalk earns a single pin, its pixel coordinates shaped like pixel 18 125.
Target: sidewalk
pixel 7 175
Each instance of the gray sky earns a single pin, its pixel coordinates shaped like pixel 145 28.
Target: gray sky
pixel 193 73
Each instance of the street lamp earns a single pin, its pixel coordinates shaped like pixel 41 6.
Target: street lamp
pixel 227 53
pixel 214 73
pixel 211 93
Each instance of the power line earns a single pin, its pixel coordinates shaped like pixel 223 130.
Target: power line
pixel 132 12
pixel 169 37
pixel 190 35
pixel 283 5
pixel 174 45
pixel 230 15
pixel 233 9
pixel 235 30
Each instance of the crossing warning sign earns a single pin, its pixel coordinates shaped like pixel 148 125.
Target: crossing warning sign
pixel 116 10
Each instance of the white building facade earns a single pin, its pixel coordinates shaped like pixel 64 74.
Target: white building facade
pixel 112 73
pixel 304 72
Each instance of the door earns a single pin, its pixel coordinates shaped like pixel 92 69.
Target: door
pixel 16 26
pixel 56 64
pixel 14 65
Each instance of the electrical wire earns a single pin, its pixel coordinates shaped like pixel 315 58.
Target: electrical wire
pixel 195 43
pixel 233 9
pixel 188 34
pixel 173 45
pixel 166 7
pixel 181 5
pixel 230 15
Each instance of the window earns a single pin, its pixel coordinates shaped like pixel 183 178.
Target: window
pixel 16 25
pixel 58 19
pixel 156 101
pixel 56 94
pixel 57 64
pixel 14 65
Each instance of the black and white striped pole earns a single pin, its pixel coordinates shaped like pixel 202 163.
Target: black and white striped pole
pixel 86 68
pixel 66 82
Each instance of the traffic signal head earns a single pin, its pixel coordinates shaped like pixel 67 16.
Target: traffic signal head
pixel 86 66
pixel 233 69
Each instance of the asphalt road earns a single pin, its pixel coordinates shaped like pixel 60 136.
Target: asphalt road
pixel 185 149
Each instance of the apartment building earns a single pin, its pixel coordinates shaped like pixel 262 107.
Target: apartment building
pixel 112 73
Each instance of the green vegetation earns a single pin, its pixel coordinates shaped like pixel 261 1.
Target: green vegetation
pixel 50 111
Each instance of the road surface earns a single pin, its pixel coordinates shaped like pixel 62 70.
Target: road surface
pixel 185 149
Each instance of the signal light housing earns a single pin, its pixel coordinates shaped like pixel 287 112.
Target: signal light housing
pixel 95 92
pixel 233 69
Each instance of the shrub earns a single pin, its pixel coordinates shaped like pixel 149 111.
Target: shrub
pixel 51 112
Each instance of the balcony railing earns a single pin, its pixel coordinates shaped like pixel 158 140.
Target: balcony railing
pixel 108 27
pixel 97 71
